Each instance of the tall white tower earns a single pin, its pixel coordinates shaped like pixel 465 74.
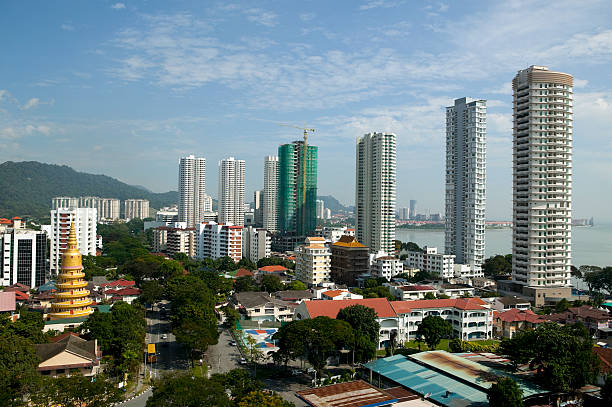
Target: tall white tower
pixel 466 133
pixel 231 191
pixel 542 177
pixel 270 192
pixel 192 189
pixel 375 191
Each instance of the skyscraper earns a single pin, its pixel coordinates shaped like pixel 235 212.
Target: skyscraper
pixel 375 191
pixel 136 208
pixel 84 222
pixel 542 177
pixel 297 188
pixel 231 191
pixel 192 189
pixel 270 193
pixel 258 207
pixel 466 131
pixel 320 209
pixel 412 213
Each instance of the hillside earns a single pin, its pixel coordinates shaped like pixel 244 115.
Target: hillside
pixel 26 188
pixel 333 204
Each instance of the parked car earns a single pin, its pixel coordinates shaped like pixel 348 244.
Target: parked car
pixel 310 370
pixel 164 337
pixel 296 372
pixel 233 343
pixel 243 361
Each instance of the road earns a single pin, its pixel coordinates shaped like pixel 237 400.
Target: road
pixel 223 357
pixel 171 356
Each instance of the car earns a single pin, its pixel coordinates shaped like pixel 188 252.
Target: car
pixel 296 372
pixel 243 361
pixel 232 343
pixel 164 336
pixel 310 370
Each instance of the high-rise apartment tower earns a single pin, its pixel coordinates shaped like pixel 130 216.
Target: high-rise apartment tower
pixel 231 191
pixel 542 177
pixel 297 188
pixel 192 189
pixel 375 191
pixel 270 193
pixel 466 133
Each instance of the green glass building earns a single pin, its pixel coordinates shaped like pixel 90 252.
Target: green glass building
pixel 297 188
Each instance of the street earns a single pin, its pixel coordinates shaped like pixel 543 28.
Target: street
pixel 223 357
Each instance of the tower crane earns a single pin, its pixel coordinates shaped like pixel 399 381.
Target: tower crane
pixel 304 155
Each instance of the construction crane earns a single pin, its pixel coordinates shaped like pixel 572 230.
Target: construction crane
pixel 304 155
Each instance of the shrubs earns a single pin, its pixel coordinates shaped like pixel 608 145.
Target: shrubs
pixel 457 345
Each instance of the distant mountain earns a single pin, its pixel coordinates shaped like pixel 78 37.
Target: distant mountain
pixel 333 204
pixel 26 188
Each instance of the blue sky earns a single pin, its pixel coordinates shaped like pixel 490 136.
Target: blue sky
pixel 126 88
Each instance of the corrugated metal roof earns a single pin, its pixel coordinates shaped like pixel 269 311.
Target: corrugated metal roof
pixel 7 301
pixel 421 379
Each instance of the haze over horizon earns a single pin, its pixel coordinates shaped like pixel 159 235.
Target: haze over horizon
pixel 127 88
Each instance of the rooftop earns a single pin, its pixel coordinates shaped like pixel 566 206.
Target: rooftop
pixel 329 308
pixel 402 307
pixel 417 288
pixel 249 299
pixel 71 343
pixel 273 269
pixel 348 241
pixel 605 359
pixel 512 300
pixel 517 315
pixel 7 301
pixel 351 394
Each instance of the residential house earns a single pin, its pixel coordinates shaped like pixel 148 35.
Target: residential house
pixel 123 294
pixel 340 294
pixel 386 316
pixel 605 363
pixel 456 290
pixel 509 322
pixel 294 296
pixel 405 292
pixel 469 317
pixel 260 306
pixel 68 355
pixel 506 303
pixel 597 321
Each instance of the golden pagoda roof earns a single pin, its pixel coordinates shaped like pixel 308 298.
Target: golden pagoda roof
pixel 348 241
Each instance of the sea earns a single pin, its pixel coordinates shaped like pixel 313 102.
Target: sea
pixel 591 245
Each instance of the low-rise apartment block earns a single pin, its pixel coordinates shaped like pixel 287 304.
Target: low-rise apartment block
pixel 386 266
pixel 214 240
pixel 256 243
pixel 313 262
pixel 430 261
pixel 258 306
pixel 407 292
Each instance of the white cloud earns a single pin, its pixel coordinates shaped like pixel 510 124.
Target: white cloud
pixel 263 17
pixel 307 16
pixel 379 4
pixel 118 6
pixel 31 103
pixel 67 27
pixel 580 83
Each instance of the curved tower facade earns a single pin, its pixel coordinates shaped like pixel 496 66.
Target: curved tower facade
pixel 71 298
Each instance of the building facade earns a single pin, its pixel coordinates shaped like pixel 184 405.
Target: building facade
pixel 375 191
pixel 64 202
pixel 386 266
pixel 108 208
pixel 313 262
pixel 349 260
pixel 215 240
pixel 258 207
pixel 191 189
pixel 412 213
pixel 270 194
pixel 24 257
pixel 297 188
pixel 256 243
pixel 84 220
pixel 181 241
pixel 231 191
pixel 430 261
pixel 466 132
pixel 136 209
pixel 542 178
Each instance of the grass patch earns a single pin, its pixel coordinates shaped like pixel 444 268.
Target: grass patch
pixel 199 371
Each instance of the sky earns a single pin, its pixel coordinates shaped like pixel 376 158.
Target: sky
pixel 127 88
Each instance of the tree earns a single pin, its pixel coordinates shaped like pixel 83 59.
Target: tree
pixel 152 291
pixel 497 265
pixel 421 276
pixel 429 296
pixel 296 285
pixel 562 305
pixel 231 315
pixel 245 283
pixel 239 382
pixel 271 283
pixel 225 264
pixel 184 390
pixel 29 325
pixel 505 393
pixel 100 326
pixel 561 355
pixel 247 264
pixel 76 391
pixel 18 363
pixel 432 330
pixel 365 326
pixel 261 399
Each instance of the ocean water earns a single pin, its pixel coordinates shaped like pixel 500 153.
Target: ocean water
pixel 590 245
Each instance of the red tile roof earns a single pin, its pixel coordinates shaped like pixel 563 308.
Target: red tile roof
pixel 124 291
pixel 5 221
pixel 62 336
pixel 17 287
pixel 605 357
pixel 22 296
pixel 403 307
pixel 272 269
pixel 330 308
pixel 119 283
pixel 517 315
pixel 332 293
pixel 244 273
pixel 417 288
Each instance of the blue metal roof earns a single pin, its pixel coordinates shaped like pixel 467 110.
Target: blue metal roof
pixel 438 387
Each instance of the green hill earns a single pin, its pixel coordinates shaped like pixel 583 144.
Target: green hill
pixel 333 204
pixel 26 188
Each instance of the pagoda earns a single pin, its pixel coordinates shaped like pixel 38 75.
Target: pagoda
pixel 71 298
